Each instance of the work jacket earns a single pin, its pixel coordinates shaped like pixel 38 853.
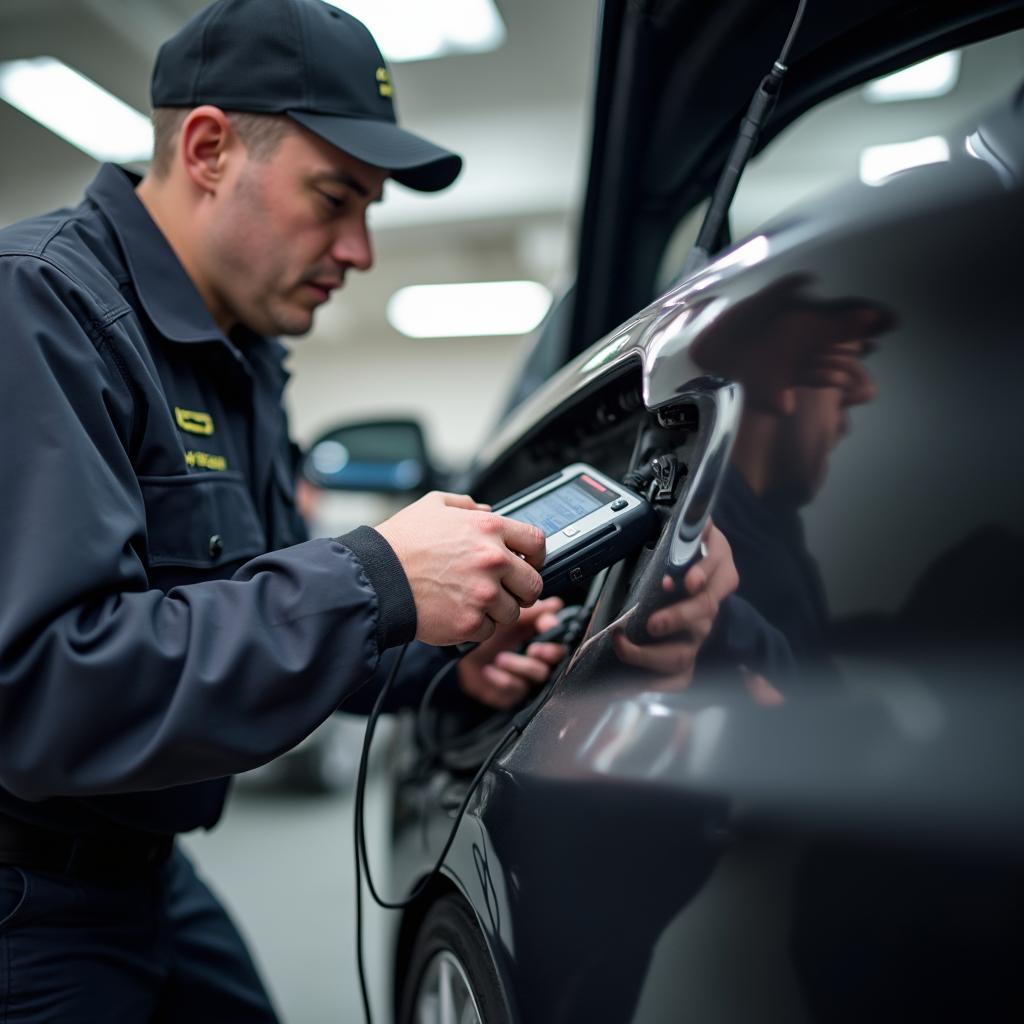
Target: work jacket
pixel 163 621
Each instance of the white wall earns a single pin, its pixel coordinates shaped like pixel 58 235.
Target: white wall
pixel 456 388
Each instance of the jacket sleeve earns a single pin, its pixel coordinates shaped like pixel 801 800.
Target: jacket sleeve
pixel 743 636
pixel 109 686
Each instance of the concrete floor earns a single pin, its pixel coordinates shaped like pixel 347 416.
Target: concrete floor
pixel 283 864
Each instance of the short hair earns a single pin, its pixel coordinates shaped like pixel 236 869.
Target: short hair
pixel 260 134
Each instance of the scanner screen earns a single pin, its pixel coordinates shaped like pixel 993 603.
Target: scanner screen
pixel 564 505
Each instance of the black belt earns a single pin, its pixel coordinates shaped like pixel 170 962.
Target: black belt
pixel 112 855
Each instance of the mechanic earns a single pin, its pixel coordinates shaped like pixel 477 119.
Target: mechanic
pixel 164 623
pixel 779 464
pixel 800 359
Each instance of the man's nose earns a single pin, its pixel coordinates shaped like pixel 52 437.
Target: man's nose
pixel 352 248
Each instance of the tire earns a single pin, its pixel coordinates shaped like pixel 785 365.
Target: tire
pixel 450 950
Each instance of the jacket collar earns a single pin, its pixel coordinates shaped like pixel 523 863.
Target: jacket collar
pixel 166 292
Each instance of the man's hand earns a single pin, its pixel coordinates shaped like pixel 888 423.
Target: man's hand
pixel 686 624
pixel 496 675
pixel 783 337
pixel 464 567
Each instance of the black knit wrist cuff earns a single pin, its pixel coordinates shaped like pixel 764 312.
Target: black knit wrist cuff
pixel 396 624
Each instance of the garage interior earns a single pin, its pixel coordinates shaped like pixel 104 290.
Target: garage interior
pixel 519 114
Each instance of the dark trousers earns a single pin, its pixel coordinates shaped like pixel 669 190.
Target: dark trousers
pixel 154 949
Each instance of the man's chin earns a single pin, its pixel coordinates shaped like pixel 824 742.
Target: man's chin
pixel 292 323
pixel 295 329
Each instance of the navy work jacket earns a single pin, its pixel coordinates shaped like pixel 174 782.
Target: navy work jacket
pixel 163 621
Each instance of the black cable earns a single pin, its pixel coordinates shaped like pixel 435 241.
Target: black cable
pixel 574 629
pixel 426 741
pixel 357 817
pixel 761 106
pixel 362 857
pixel 424 882
pixel 794 28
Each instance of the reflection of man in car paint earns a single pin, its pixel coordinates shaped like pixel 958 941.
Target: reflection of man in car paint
pixel 779 464
pixel 782 339
pixel 800 360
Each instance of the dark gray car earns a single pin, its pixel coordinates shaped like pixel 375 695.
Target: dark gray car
pixel 837 835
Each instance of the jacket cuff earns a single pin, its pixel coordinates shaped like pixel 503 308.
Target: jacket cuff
pixel 396 614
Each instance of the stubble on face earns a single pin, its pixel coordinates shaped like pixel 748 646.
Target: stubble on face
pixel 258 272
pixel 247 262
pixel 805 444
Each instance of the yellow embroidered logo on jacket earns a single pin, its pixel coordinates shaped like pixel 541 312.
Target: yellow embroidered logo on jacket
pixel 204 460
pixel 194 422
pixel 384 86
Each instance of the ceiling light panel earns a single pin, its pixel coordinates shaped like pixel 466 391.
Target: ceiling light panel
pixel 77 109
pixel 426 29
pixel 474 310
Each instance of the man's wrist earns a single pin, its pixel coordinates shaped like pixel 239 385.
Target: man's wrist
pixel 396 616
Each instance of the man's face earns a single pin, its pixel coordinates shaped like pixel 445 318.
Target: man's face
pixel 806 439
pixel 805 443
pixel 285 231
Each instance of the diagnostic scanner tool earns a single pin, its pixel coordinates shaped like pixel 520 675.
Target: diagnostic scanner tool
pixel 590 522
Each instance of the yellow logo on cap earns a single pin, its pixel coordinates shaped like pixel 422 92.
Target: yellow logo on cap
pixel 384 86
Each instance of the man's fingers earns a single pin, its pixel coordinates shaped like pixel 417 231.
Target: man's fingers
pixel 696 579
pixel 721 577
pixel 483 633
pixel 548 652
pixel 522 581
pixel 503 608
pixel 549 620
pixel 692 617
pixel 523 666
pixel 761 690
pixel 544 614
pixel 505 690
pixel 524 539
pixel 459 501
pixel 675 658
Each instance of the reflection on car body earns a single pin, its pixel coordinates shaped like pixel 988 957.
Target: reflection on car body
pixel 847 844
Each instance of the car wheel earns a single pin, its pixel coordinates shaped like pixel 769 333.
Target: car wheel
pixel 452 979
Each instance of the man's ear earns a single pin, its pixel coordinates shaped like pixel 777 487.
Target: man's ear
pixel 207 143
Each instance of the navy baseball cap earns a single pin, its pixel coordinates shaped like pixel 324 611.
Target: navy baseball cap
pixel 306 59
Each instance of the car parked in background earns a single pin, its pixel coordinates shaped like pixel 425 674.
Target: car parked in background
pixel 840 836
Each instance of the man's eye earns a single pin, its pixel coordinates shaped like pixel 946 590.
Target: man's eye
pixel 333 202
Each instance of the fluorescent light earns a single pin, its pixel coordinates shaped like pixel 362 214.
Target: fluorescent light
pixel 877 163
pixel 933 77
pixel 425 29
pixel 749 254
pixel 77 109
pixel 468 310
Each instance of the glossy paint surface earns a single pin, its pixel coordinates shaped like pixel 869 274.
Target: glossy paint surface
pixel 648 852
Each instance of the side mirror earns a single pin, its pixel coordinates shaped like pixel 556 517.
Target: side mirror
pixel 386 456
